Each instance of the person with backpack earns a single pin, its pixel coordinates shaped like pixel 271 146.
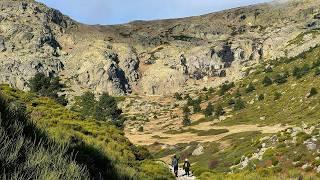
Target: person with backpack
pixel 186 167
pixel 175 165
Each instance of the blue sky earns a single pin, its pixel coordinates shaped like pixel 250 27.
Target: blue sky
pixel 123 11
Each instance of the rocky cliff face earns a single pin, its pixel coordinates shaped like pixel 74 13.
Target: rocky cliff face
pixel 153 58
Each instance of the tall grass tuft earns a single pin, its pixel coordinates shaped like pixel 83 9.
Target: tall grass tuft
pixel 26 153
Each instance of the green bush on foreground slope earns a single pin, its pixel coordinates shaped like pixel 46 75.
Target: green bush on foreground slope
pixel 99 145
pixel 23 155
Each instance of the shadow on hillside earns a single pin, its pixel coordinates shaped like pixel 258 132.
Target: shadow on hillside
pixel 99 166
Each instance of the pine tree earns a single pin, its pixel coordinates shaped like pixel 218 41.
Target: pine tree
pixel 196 105
pixel 219 111
pixel 186 112
pixel 186 120
pixel 47 86
pixel 209 110
pixel 85 104
pixel 178 96
pixel 107 108
pixel 186 109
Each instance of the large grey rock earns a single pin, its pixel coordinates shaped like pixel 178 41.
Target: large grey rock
pixel 198 151
pixel 17 72
pixel 180 54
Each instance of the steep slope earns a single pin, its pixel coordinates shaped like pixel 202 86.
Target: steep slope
pixel 99 147
pixel 264 125
pixel 25 156
pixel 265 129
pixel 157 57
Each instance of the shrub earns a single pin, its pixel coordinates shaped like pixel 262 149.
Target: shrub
pixel 186 120
pixel 48 87
pixel 196 105
pixel 250 88
pixel 231 102
pixel 268 154
pixel 237 94
pixel 154 170
pixel 317 71
pixel 219 111
pixel 277 95
pixel 186 109
pixel 196 108
pixel 225 88
pixel 281 78
pixel 297 157
pixel 205 89
pixel 316 64
pixel 213 163
pixel 210 90
pixel 261 97
pixel 313 91
pixel 140 129
pixel 267 81
pixel 239 104
pixel 275 161
pixel 178 96
pixel 209 110
pixel 189 101
pixel 187 97
pixel 300 72
pixel 141 152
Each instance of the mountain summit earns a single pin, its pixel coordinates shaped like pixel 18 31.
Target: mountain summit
pixel 149 57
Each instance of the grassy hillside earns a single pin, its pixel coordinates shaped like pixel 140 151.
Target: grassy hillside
pixel 293 105
pixel 291 99
pixel 99 146
pixel 27 153
pixel 282 91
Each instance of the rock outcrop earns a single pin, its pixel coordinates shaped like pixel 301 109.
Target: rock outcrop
pixel 153 58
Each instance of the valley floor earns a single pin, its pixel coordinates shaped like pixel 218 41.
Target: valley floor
pixel 163 125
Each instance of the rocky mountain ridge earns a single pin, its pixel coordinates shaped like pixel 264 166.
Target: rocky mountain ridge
pixel 153 58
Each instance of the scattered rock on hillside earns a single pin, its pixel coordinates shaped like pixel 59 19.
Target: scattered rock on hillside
pixel 198 151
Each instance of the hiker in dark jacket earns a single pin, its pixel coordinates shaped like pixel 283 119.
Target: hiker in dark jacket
pixel 186 167
pixel 175 165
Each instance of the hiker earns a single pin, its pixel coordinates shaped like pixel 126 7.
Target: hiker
pixel 186 167
pixel 175 165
